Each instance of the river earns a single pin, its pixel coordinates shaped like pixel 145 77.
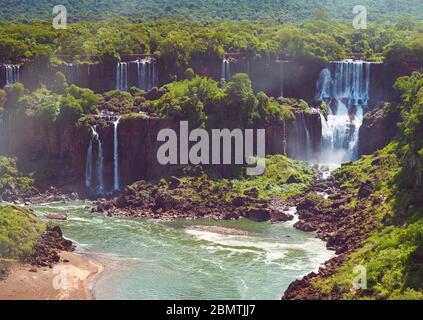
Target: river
pixel 148 259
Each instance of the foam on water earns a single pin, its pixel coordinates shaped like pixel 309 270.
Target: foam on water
pixel 147 259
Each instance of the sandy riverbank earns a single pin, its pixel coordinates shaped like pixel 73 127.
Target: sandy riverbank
pixel 70 280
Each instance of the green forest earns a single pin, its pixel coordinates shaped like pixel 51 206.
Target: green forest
pixel 178 42
pixel 270 10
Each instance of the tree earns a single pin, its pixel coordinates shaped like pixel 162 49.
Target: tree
pixel 189 74
pixel 239 103
pixel 60 83
pixel 70 110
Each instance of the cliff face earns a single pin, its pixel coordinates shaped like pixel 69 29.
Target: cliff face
pixel 34 142
pixel 377 131
pixel 297 139
pixel 138 146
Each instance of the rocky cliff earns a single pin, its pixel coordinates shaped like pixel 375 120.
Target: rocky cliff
pixel 377 130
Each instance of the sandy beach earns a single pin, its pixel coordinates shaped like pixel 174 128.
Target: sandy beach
pixel 71 279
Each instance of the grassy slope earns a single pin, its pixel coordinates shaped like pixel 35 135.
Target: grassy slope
pixel 392 254
pixel 20 229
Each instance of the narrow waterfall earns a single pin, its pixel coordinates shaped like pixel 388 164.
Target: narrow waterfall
pixel 99 163
pixel 281 92
pixel 12 73
pixel 344 86
pixel 89 163
pixel 147 74
pixel 308 143
pixel 116 182
pixel 122 76
pixel 226 70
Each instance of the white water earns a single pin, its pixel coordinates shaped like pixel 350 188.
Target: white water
pixel 122 76
pixel 89 163
pixel 344 86
pixel 147 74
pixel 99 163
pixel 12 73
pixel 116 182
pixel 226 70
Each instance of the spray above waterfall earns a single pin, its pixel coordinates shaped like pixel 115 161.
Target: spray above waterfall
pixel 344 86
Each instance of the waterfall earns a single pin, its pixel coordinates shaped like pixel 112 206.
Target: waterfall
pixel 282 80
pixel 99 163
pixel 89 162
pixel 116 182
pixel 226 70
pixel 122 76
pixel 12 73
pixel 344 86
pixel 308 143
pixel 147 74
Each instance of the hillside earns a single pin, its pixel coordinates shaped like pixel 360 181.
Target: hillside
pixel 285 10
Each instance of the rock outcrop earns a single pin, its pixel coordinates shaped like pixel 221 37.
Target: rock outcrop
pixel 377 130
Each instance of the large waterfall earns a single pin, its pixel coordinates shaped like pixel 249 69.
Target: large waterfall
pixel 116 182
pixel 226 70
pixel 122 76
pixel 12 73
pixel 147 74
pixel 344 86
pixel 99 163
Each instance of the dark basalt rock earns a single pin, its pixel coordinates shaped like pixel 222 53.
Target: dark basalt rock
pixel 46 251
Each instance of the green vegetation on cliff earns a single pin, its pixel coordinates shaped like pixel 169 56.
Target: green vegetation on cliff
pixel 386 188
pixel 20 230
pixel 12 181
pixel 204 103
pixel 283 178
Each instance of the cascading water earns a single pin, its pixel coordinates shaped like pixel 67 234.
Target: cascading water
pixel 89 163
pixel 122 76
pixel 309 147
pixel 147 74
pixel 226 70
pixel 344 86
pixel 12 73
pixel 116 182
pixel 99 163
pixel 282 80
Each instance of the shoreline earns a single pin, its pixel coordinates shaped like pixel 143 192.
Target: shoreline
pixel 71 279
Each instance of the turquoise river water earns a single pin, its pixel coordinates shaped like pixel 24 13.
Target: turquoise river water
pixel 148 259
